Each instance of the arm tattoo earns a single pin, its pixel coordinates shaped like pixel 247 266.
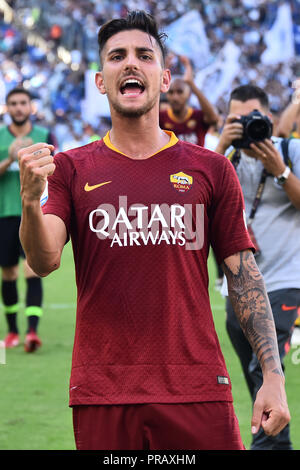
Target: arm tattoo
pixel 247 292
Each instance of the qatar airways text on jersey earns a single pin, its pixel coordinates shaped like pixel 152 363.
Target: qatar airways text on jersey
pixel 140 224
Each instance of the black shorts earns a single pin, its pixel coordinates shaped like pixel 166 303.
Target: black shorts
pixel 10 246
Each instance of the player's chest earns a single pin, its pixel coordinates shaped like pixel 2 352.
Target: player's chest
pixel 148 200
pixel 142 185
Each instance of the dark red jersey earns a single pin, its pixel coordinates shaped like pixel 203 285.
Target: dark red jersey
pixel 141 231
pixel 192 129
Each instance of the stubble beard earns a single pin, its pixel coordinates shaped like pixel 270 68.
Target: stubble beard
pixel 134 113
pixel 19 122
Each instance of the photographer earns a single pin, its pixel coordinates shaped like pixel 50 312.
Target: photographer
pixel 271 188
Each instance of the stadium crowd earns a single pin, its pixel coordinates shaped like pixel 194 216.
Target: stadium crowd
pixel 59 89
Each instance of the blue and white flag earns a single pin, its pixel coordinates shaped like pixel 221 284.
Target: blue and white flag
pixel 187 36
pixel 280 38
pixel 297 38
pixel 215 80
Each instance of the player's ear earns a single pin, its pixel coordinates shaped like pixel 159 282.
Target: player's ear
pixel 166 81
pixel 99 81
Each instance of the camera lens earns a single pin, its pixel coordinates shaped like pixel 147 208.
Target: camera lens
pixel 258 129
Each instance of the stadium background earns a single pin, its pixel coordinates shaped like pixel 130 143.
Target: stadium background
pixel 50 47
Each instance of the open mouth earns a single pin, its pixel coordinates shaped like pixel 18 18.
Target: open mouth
pixel 132 86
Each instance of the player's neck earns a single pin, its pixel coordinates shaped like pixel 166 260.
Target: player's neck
pixel 138 138
pixel 20 131
pixel 181 114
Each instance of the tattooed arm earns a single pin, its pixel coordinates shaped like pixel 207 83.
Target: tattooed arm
pixel 247 292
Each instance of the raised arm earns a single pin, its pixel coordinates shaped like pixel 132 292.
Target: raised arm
pixel 247 292
pixel 287 120
pixel 210 114
pixel 42 236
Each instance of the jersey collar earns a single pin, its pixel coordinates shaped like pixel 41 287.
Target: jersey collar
pixel 172 141
pixel 172 116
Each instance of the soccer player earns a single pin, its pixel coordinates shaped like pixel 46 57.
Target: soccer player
pixel 141 209
pixel 188 123
pixel 20 133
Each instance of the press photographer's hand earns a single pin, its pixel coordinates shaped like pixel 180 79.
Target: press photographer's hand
pixel 232 130
pixel 266 152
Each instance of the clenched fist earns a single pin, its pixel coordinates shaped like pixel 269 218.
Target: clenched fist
pixel 36 164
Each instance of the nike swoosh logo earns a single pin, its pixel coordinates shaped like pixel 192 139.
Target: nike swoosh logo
pixel 95 186
pixel 285 308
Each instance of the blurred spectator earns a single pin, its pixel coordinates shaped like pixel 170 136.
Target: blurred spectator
pixel 289 123
pixel 58 87
pixel 73 140
pixel 188 123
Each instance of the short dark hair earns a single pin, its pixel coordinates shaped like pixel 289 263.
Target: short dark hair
pixel 17 90
pixel 137 19
pixel 250 92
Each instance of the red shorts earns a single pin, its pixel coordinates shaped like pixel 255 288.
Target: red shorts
pixel 184 426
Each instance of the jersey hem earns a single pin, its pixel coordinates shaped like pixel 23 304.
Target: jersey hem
pixel 6 216
pixel 220 397
pixel 282 285
pixel 165 383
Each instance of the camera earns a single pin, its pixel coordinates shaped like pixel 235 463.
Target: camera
pixel 256 128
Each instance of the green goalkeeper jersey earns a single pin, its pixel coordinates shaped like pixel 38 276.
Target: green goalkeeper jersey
pixel 10 200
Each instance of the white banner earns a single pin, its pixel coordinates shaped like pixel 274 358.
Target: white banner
pixel 187 36
pixel 94 105
pixel 215 80
pixel 280 38
pixel 2 90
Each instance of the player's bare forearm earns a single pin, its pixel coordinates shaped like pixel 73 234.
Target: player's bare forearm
pixel 4 165
pixel 39 243
pixel 287 119
pixel 247 292
pixel 42 237
pixel 211 115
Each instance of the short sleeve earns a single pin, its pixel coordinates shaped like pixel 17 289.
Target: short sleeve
pixel 294 154
pixel 58 201
pixel 228 227
pixel 199 114
pixel 51 139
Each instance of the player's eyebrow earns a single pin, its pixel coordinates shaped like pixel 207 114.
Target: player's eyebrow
pixel 122 50
pixel 119 50
pixel 14 103
pixel 145 49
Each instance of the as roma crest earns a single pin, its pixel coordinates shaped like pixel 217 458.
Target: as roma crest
pixel 181 182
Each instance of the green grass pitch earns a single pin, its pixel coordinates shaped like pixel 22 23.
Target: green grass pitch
pixel 34 412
